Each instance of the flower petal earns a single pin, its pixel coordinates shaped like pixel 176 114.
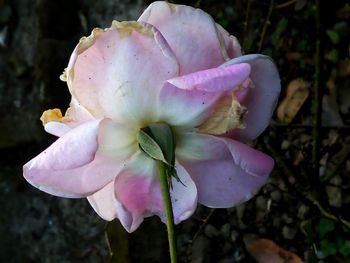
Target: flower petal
pixel 75 115
pixel 108 207
pixel 69 167
pixel 133 187
pixel 185 28
pixel 116 72
pixel 231 44
pixel 116 141
pixel 56 128
pixel 260 100
pixel 226 172
pixel 189 99
pixel 183 196
pixel 137 187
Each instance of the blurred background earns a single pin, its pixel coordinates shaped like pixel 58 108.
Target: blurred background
pixel 301 215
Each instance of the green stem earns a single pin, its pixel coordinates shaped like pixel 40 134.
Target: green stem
pixel 168 210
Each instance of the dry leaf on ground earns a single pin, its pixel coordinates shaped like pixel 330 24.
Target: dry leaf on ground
pixel 297 92
pixel 266 251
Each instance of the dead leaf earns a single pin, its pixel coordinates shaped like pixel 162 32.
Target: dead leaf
pixel 344 12
pixel 330 108
pixel 297 92
pixel 266 251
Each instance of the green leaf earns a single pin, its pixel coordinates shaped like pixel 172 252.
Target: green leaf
pixel 163 135
pixel 150 146
pixel 333 36
pixel 158 141
pixel 328 248
pixel 343 247
pixel 280 28
pixel 324 226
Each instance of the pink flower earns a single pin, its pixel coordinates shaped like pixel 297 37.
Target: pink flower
pixel 177 66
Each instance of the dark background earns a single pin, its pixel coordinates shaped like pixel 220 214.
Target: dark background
pixel 304 208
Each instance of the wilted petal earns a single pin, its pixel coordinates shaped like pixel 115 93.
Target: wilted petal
pixel 191 33
pixel 260 100
pixel 117 72
pixel 189 99
pixel 69 167
pixel 59 125
pixel 226 172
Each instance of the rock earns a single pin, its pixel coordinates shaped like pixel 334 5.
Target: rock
pixel 210 231
pixel 276 195
pixel 286 218
pixel 200 250
pixel 334 196
pixel 302 211
pixel 289 232
pixel 285 144
pixel 261 203
pixel 234 235
pixel 225 230
pixel 276 222
pixel 240 210
pixel 336 180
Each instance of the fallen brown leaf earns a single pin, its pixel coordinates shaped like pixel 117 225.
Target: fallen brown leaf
pixel 297 92
pixel 266 251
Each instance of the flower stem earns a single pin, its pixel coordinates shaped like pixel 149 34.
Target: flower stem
pixel 168 210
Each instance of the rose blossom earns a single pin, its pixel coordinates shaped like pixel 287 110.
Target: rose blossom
pixel 176 66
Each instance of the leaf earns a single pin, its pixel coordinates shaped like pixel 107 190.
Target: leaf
pixel 163 135
pixel 324 226
pixel 280 28
pixel 150 146
pixel 297 92
pixel 343 247
pixel 266 251
pixel 328 248
pixel 333 36
pixel 157 140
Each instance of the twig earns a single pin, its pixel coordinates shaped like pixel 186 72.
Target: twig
pixel 286 4
pixel 266 24
pixel 246 22
pixel 304 193
pixel 317 99
pixel 325 212
pixel 336 161
pixel 199 231
pixel 307 126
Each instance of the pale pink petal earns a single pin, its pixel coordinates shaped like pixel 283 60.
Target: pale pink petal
pixel 183 196
pixel 191 33
pixel 57 128
pixel 75 115
pixel 104 202
pixel 260 100
pixel 232 46
pixel 137 187
pixel 116 141
pixel 133 188
pixel 226 172
pixel 117 72
pixel 70 167
pixel 108 207
pixel 189 99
